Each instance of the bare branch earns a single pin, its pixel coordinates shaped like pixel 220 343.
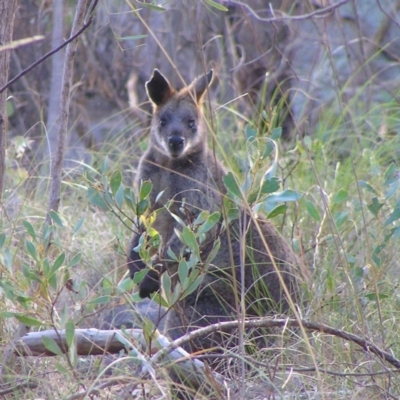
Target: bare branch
pixel 267 322
pixel 317 13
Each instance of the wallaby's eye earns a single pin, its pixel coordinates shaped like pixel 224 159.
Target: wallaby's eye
pixel 163 122
pixel 191 123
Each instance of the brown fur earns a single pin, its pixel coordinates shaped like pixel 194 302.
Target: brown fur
pixel 179 162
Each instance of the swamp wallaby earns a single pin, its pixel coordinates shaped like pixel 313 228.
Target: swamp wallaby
pixel 187 179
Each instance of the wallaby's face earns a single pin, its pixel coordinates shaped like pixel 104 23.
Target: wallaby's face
pixel 177 125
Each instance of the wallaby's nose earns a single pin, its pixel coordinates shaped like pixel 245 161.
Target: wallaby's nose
pixel 175 144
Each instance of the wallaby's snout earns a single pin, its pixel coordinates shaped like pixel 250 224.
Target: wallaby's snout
pixel 176 144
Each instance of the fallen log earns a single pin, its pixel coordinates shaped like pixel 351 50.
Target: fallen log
pixel 98 342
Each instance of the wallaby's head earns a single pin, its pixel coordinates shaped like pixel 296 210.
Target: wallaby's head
pixel 177 127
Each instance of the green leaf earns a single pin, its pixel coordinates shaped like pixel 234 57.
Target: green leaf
pixel 288 195
pixel 115 181
pixel 70 332
pixel 100 300
pixel 61 369
pixel 125 286
pixel 183 271
pixel 58 263
pixel 374 207
pixel 139 275
pixel 193 286
pixel 30 274
pixel 277 211
pixel 7 314
pixel 8 259
pixel 213 252
pixel 171 254
pixel 216 5
pixel 176 294
pixel 178 219
pixel 119 196
pixel 56 218
pixel 32 250
pixel 340 196
pixel 250 133
pixel 274 199
pixel 212 220
pixel 28 321
pixel 189 238
pixel 392 189
pixel 73 354
pixel 200 218
pixel 367 187
pixel 104 166
pixel 231 185
pixel 51 345
pixel 145 190
pixel 340 218
pixel 78 225
pixel 166 284
pixel 30 229
pixel 374 297
pixel 2 239
pixel 270 146
pixel 75 260
pixel 312 211
pixel 130 198
pixel 390 174
pixel 233 214
pixel 276 133
pixel 96 199
pixel 395 215
pixel 270 185
pixel 142 207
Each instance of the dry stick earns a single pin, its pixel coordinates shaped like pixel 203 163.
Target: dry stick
pixel 7 12
pixel 267 322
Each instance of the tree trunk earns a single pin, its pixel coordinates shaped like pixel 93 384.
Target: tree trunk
pixel 57 63
pixel 7 12
pixel 59 151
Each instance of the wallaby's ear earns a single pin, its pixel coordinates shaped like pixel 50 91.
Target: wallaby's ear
pixel 200 84
pixel 158 88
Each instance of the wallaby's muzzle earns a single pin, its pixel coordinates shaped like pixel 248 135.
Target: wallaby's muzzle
pixel 176 145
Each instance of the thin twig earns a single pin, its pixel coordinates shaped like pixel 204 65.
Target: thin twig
pixel 285 17
pixel 396 8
